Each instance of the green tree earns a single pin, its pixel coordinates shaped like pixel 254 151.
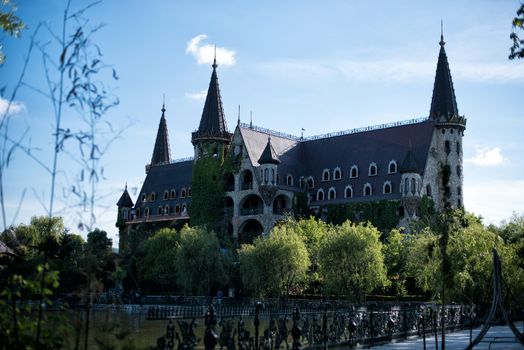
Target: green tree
pixel 159 262
pixel 275 265
pixel 351 261
pixel 517 50
pixel 396 252
pixel 200 263
pixel 9 23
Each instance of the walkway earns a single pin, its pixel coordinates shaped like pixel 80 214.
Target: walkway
pixel 498 337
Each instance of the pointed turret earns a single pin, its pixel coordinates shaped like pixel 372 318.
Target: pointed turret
pixel 269 156
pixel 125 200
pixel 409 164
pixel 161 153
pixel 212 123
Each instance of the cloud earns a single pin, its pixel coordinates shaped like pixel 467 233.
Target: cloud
pixel 199 96
pixel 485 156
pixel 16 107
pixel 205 53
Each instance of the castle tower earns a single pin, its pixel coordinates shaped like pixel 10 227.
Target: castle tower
pixel 161 152
pixel 268 165
pixel 410 184
pixel 443 178
pixel 211 145
pixel 125 212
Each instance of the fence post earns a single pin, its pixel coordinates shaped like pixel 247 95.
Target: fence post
pixel 423 314
pixel 324 323
pixel 371 324
pixel 258 307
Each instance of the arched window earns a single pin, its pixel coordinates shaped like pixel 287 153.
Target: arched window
pixel 428 190
pixel 302 182
pixel 273 177
pixel 458 148
pixel 337 174
pixel 368 190
pixel 166 195
pixel 459 170
pixel 137 212
pixel 146 212
pixel 325 175
pixel 184 208
pixel 189 191
pixel 172 195
pixel 348 192
pixel 177 209
pixel 447 147
pixel 459 191
pixel 152 196
pixel 392 167
pixel 166 210
pixel 387 189
pixel 413 186
pixel 353 173
pixel 289 180
pixel 266 175
pixel 144 197
pixel 160 211
pixel 310 182
pixel 332 194
pixel 372 169
pixel 320 194
pixel 183 192
pixel 406 186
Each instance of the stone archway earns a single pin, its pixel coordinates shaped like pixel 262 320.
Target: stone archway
pixel 252 205
pixel 280 204
pixel 249 230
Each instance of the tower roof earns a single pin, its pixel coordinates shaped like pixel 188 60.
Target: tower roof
pixel 443 102
pixel 125 200
pixel 212 122
pixel 161 153
pixel 269 156
pixel 409 164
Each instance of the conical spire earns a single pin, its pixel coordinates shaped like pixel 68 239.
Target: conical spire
pixel 269 156
pixel 409 165
pixel 443 103
pixel 125 200
pixel 213 123
pixel 161 153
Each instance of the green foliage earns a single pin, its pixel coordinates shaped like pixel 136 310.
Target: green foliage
pixel 517 50
pixel 396 251
pixel 200 264
pixel 159 262
pixel 9 23
pixel 382 214
pixel 351 261
pixel 275 265
pixel 300 206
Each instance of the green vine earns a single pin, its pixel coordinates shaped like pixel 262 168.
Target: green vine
pixel 382 214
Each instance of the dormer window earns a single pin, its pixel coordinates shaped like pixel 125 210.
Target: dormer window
pixel 172 195
pixel 177 209
pixel 144 197
pixel 302 182
pixel 152 196
pixel 166 210
pixel 387 188
pixel 392 167
pixel 337 174
pixel 147 212
pixel 325 175
pixel 320 194
pixel 353 173
pixel 348 192
pixel 372 169
pixel 160 211
pixel 310 182
pixel 332 194
pixel 166 195
pixel 183 193
pixel 189 192
pixel 368 190
pixel 137 212
pixel 289 180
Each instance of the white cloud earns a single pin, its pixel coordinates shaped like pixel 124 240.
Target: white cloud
pixel 199 96
pixel 16 107
pixel 205 53
pixel 485 156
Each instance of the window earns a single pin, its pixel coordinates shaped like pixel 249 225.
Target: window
pixel 183 193
pixel 459 191
pixel 146 212
pixel 459 170
pixel 189 192
pixel 392 167
pixel 273 177
pixel 337 174
pixel 172 195
pixel 387 189
pixel 302 182
pixel 177 209
pixel 152 196
pixel 310 182
pixel 320 195
pixel 447 147
pixel 325 175
pixel 166 210
pixel 406 186
pixel 166 195
pixel 353 172
pixel 289 180
pixel 332 194
pixel 266 175
pixel 428 190
pixel 348 192
pixel 413 186
pixel 184 209
pixel 137 212
pixel 372 169
pixel 143 197
pixel 368 190
pixel 160 211
pixel 458 148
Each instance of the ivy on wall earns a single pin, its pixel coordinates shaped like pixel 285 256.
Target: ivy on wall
pixel 384 214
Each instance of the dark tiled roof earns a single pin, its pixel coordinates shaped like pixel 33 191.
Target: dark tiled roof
pixel 213 122
pixel 443 102
pixel 163 178
pixel 161 153
pixel 125 200
pixel 269 156
pixel 409 164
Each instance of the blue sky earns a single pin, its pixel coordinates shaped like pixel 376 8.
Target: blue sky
pixel 319 65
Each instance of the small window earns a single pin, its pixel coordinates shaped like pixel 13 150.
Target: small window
pixel 387 188
pixel 348 192
pixel 144 197
pixel 372 169
pixel 392 168
pixel 172 195
pixel 302 182
pixel 353 172
pixel 406 186
pixel 325 175
pixel 413 186
pixel 459 191
pixel 183 193
pixel 177 209
pixel 278 178
pixel 459 171
pixel 310 182
pixel 458 148
pixel 289 180
pixel 428 190
pixel 166 210
pixel 337 174
pixel 160 211
pixel 146 212
pixel 368 190
pixel 184 209
pixel 166 195
pixel 447 147
pixel 320 195
pixel 332 194
pixel 152 196
pixel 137 212
pixel 189 192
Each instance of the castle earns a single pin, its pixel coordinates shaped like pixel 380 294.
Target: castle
pixel 242 183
